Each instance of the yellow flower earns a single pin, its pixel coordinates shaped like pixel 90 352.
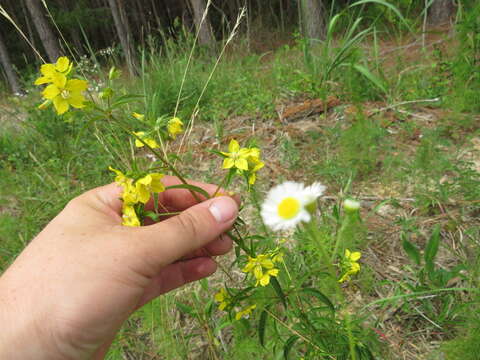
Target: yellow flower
pixel 138 116
pixel 245 312
pixel 129 217
pixel 148 184
pixel 254 164
pixel 65 93
pixel 262 268
pixel 350 264
pixel 129 195
pixel 223 298
pixel 121 179
pixel 236 157
pixel 352 256
pixel 174 127
pixel 140 190
pixel 148 140
pixel 50 72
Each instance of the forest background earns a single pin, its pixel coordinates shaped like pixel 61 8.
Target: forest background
pixel 379 100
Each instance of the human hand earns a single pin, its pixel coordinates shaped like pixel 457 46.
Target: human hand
pixel 68 293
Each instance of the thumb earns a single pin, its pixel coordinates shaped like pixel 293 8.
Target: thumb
pixel 169 240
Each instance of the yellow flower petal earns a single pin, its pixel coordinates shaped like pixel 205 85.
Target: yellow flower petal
pixel 273 272
pixel 241 164
pixel 156 184
pixel 50 92
pixel 62 64
pixel 267 264
pixel 129 217
pixel 76 100
pixel 47 69
pixel 265 280
pixel 228 163
pixel 258 272
pixel 76 85
pixel 42 80
pixel 138 116
pixel 61 105
pixel 233 146
pixel 355 256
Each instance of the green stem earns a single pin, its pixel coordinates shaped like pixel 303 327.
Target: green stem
pixel 351 339
pixel 339 238
pixel 256 203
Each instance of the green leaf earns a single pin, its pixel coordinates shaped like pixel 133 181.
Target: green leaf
pixel 186 309
pixel 386 4
pixel 411 250
pixel 152 215
pixel 431 249
pixel 374 79
pixel 190 188
pixel 320 296
pixel 261 327
pixel 124 99
pixel 288 345
pixel 278 289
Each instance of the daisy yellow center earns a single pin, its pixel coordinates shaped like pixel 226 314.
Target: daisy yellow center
pixel 65 94
pixel 288 208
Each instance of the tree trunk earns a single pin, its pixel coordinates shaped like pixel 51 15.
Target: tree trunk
pixel 205 36
pixel 31 37
pixel 8 68
pixel 440 11
pixel 125 38
pixel 313 22
pixel 49 40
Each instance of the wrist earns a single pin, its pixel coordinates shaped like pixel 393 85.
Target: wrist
pixel 21 336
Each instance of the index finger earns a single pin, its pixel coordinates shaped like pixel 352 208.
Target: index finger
pixel 179 199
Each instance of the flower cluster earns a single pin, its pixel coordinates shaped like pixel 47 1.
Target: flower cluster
pixel 244 160
pixel 223 299
pixel 290 203
pixel 174 127
pixel 350 265
pixel 62 91
pixel 262 267
pixel 146 139
pixel 136 192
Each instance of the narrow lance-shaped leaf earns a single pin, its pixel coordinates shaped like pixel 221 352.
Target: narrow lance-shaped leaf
pixel 411 250
pixel 320 296
pixel 431 249
pixel 288 345
pixel 374 79
pixel 278 289
pixel 262 326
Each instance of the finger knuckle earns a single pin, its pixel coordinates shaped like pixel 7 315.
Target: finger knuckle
pixel 189 224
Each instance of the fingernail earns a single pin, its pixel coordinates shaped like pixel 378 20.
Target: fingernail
pixel 223 209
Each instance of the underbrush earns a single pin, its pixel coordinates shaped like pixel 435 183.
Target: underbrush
pixel 411 163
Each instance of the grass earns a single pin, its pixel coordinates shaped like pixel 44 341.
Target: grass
pixel 414 165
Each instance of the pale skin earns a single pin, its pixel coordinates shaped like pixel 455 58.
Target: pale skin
pixel 68 293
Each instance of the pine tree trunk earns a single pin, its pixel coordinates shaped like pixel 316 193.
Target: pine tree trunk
pixel 205 36
pixel 49 40
pixel 440 11
pixel 313 22
pixel 8 68
pixel 125 38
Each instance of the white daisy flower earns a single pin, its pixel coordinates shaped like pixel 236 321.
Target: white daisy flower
pixel 290 203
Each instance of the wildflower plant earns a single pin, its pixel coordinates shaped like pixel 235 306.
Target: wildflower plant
pixel 308 305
